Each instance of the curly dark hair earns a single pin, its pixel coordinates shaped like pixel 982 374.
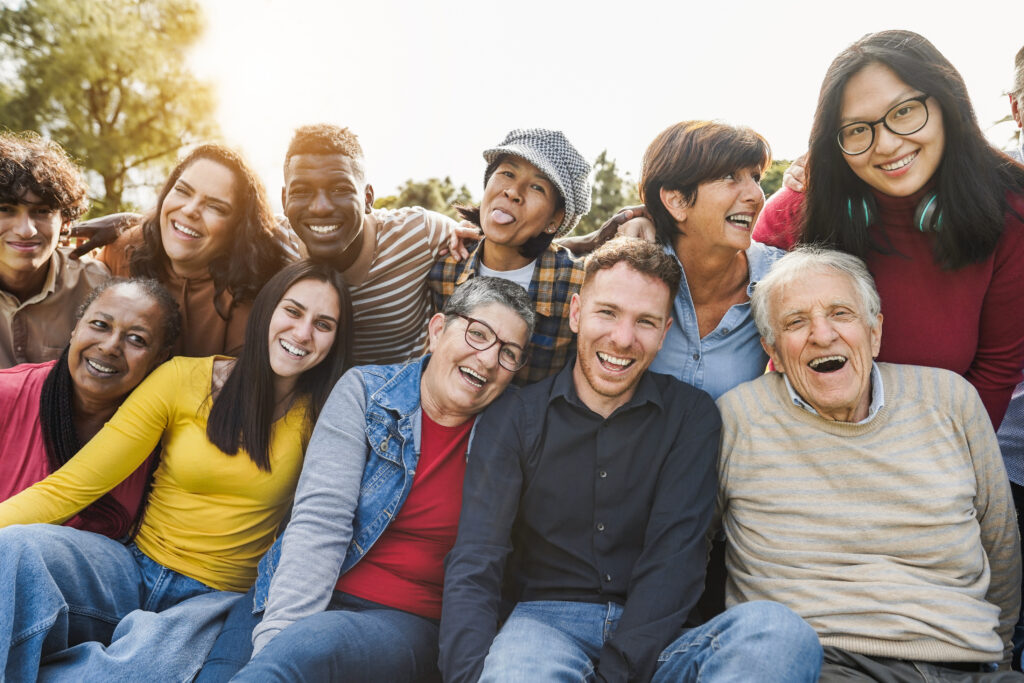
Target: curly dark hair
pixel 972 179
pixel 255 253
pixel 31 163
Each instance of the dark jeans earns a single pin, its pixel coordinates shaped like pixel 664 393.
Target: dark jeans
pixel 841 665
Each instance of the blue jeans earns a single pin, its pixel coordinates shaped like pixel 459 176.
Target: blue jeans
pixel 68 594
pixel 233 646
pixel 354 640
pixel 560 641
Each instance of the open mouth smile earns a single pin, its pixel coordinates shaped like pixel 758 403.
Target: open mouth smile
pixel 614 363
pixel 899 163
pixel 827 364
pixel 293 350
pixel 473 377
pixel 100 369
pixel 323 229
pixel 741 220
pixel 185 230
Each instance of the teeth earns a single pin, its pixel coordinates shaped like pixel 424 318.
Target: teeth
pixel 621 362
pixel 292 349
pixel 817 362
pixel 99 367
pixel 739 218
pixel 899 164
pixel 323 229
pixel 188 231
pixel 474 375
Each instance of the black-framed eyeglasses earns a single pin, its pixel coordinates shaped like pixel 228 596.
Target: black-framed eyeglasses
pixel 481 337
pixel 906 118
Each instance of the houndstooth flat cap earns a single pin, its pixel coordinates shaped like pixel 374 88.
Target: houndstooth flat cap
pixel 554 155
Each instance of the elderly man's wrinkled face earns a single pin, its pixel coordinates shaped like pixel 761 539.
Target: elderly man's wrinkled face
pixel 825 343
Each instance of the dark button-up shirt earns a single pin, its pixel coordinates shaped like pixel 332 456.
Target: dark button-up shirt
pixel 592 510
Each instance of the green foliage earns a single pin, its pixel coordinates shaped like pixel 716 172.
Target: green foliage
pixel 107 80
pixel 433 193
pixel 771 181
pixel 612 191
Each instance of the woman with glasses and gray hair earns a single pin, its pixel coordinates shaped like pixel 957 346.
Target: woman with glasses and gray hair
pixel 352 590
pixel 900 174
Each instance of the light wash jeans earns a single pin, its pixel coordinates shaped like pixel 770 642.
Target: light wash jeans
pixel 354 640
pixel 71 610
pixel 560 641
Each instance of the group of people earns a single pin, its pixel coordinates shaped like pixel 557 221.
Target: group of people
pixel 379 445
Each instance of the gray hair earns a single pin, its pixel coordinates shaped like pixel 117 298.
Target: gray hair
pixel 480 291
pixel 806 259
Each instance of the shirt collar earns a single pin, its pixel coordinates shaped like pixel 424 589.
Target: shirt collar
pixel 877 395
pixel 759 261
pixel 565 388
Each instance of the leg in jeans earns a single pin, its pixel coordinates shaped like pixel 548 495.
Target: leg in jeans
pixel 550 640
pixel 61 586
pixel 355 640
pixel 755 641
pixel 233 647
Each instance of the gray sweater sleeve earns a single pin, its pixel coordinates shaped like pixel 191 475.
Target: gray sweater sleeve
pixel 318 535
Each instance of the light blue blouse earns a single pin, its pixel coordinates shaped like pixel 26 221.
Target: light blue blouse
pixel 731 353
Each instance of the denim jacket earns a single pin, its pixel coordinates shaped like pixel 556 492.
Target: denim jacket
pixel 393 439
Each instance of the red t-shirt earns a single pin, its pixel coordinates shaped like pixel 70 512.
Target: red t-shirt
pixel 969 320
pixel 23 460
pixel 405 567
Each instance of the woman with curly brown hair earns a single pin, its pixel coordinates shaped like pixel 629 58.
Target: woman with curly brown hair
pixel 211 242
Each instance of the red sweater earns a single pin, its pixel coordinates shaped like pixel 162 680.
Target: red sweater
pixel 23 459
pixel 405 567
pixel 970 320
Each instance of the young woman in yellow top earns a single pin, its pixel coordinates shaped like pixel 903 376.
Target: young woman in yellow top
pixel 232 433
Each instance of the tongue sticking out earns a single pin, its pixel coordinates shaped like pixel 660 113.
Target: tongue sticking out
pixel 501 218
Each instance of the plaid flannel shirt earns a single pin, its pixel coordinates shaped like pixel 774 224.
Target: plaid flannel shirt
pixel 556 278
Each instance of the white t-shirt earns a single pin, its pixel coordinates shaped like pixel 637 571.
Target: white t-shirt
pixel 521 276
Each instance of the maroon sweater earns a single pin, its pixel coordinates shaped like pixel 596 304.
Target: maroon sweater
pixel 970 320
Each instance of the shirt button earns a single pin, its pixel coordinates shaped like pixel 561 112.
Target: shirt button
pixel 602 474
pixel 600 526
pixel 607 577
pixel 696 356
pixel 725 330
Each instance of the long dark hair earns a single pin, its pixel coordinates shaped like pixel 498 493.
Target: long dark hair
pixel 56 401
pixel 972 178
pixel 254 255
pixel 242 413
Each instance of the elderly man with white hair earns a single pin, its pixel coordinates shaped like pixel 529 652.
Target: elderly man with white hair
pixel 868 497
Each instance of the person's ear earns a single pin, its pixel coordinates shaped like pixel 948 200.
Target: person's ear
pixel 876 338
pixel 368 198
pixel 674 203
pixel 775 358
pixel 574 313
pixel 284 196
pixel 556 222
pixel 434 329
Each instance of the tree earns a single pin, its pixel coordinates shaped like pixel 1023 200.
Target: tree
pixel 433 193
pixel 771 181
pixel 106 79
pixel 612 192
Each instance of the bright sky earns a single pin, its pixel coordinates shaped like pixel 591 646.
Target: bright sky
pixel 428 86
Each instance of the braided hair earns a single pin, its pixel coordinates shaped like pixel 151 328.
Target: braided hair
pixel 56 402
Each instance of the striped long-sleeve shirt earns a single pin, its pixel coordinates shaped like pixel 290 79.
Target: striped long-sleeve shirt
pixel 893 538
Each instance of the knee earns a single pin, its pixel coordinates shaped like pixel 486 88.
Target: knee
pixel 773 621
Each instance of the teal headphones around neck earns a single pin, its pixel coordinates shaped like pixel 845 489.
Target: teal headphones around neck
pixel 927 217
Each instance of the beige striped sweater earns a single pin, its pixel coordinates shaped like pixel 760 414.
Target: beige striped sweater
pixel 896 538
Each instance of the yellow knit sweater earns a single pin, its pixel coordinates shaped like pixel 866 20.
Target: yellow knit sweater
pixel 211 516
